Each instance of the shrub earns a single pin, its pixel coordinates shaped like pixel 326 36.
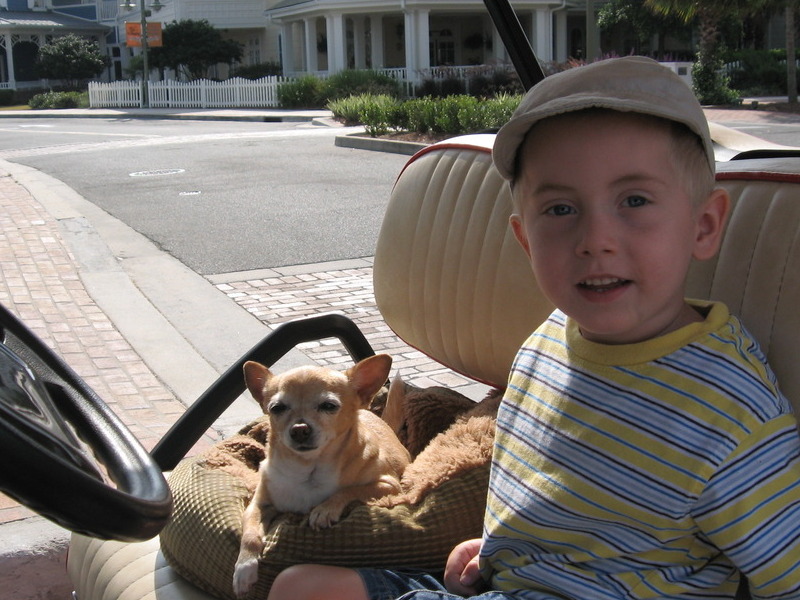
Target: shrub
pixel 375 112
pixel 449 111
pixel 420 113
pixel 453 115
pixel 500 82
pixel 258 71
pixel 440 88
pixel 710 84
pixel 758 72
pixel 7 97
pixel 347 109
pixel 306 92
pixel 58 100
pixel 489 114
pixel 352 82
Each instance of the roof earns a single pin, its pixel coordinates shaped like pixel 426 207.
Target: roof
pixel 287 3
pixel 30 19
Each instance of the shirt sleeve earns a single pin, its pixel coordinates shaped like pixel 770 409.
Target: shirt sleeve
pixel 750 509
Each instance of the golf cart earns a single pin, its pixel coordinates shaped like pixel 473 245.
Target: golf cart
pixel 450 280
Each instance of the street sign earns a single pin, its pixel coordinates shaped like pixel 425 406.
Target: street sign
pixel 133 35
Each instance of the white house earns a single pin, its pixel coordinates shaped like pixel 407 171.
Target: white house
pixel 26 25
pixel 304 35
pixel 415 35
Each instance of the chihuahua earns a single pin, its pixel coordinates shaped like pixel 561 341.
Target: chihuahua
pixel 325 450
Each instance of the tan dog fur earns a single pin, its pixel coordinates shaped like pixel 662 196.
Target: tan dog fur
pixel 325 450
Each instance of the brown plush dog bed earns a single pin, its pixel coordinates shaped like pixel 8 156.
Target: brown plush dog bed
pixel 441 504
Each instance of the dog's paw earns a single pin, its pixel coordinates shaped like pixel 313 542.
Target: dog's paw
pixel 324 515
pixel 245 576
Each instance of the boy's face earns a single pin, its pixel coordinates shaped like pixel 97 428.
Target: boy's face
pixel 608 225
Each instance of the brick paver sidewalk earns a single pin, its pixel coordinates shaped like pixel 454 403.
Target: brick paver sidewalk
pixel 39 283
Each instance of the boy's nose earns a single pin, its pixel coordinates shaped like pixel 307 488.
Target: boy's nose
pixel 596 236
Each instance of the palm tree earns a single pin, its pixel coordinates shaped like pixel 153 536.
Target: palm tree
pixel 791 63
pixel 710 86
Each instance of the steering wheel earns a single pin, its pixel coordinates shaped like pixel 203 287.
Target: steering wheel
pixel 66 455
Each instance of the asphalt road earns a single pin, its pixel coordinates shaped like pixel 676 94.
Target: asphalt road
pixel 234 196
pixel 219 196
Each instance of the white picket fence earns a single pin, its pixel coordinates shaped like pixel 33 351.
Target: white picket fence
pixel 231 93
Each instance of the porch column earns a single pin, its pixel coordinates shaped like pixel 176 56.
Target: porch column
pixel 541 26
pixel 560 36
pixel 359 42
pixel 418 53
pixel 592 34
pixel 337 43
pixel 287 47
pixel 499 53
pixel 9 46
pixel 312 60
pixel 376 41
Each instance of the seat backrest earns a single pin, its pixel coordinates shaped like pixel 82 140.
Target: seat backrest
pixel 451 280
pixel 449 277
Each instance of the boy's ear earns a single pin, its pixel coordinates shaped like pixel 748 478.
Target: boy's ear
pixel 519 232
pixel 711 219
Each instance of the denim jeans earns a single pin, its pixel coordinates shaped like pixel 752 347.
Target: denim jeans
pixel 384 584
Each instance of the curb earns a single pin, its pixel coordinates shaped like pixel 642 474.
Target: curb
pixel 34 550
pixel 362 142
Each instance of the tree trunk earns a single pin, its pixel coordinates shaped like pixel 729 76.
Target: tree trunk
pixel 791 64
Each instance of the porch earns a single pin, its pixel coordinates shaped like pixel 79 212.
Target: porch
pixel 330 36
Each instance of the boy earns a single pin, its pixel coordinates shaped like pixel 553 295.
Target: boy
pixel 643 449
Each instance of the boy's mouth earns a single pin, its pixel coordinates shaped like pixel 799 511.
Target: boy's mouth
pixel 603 284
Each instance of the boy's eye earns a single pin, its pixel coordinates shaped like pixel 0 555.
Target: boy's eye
pixel 636 201
pixel 560 210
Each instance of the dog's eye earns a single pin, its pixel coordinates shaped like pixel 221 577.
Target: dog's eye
pixel 328 406
pixel 277 408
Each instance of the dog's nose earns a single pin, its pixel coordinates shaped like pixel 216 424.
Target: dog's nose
pixel 300 432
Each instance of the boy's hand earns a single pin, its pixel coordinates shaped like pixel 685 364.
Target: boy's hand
pixel 461 575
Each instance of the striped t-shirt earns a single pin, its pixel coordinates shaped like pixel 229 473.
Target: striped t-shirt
pixel 651 470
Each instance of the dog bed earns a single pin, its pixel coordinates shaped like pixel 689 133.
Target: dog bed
pixel 441 503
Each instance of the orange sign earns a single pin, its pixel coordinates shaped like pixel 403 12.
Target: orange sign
pixel 133 35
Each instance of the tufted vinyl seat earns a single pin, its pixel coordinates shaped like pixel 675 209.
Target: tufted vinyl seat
pixel 450 280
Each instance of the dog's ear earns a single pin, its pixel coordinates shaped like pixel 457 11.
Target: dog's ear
pixel 256 377
pixel 369 375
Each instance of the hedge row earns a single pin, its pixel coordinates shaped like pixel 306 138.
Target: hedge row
pixel 451 115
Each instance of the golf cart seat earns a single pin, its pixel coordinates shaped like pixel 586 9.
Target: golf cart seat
pixel 450 281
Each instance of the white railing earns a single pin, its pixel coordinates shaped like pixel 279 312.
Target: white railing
pixel 232 93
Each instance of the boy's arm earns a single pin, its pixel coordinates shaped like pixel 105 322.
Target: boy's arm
pixel 750 509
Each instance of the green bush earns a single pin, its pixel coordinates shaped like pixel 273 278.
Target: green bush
pixel 709 82
pixel 500 82
pixel 421 113
pixel 488 114
pixel 355 82
pixel 758 72
pixel 375 111
pixel 449 112
pixel 306 92
pixel 7 97
pixel 258 71
pixel 452 115
pixel 59 100
pixel 440 88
